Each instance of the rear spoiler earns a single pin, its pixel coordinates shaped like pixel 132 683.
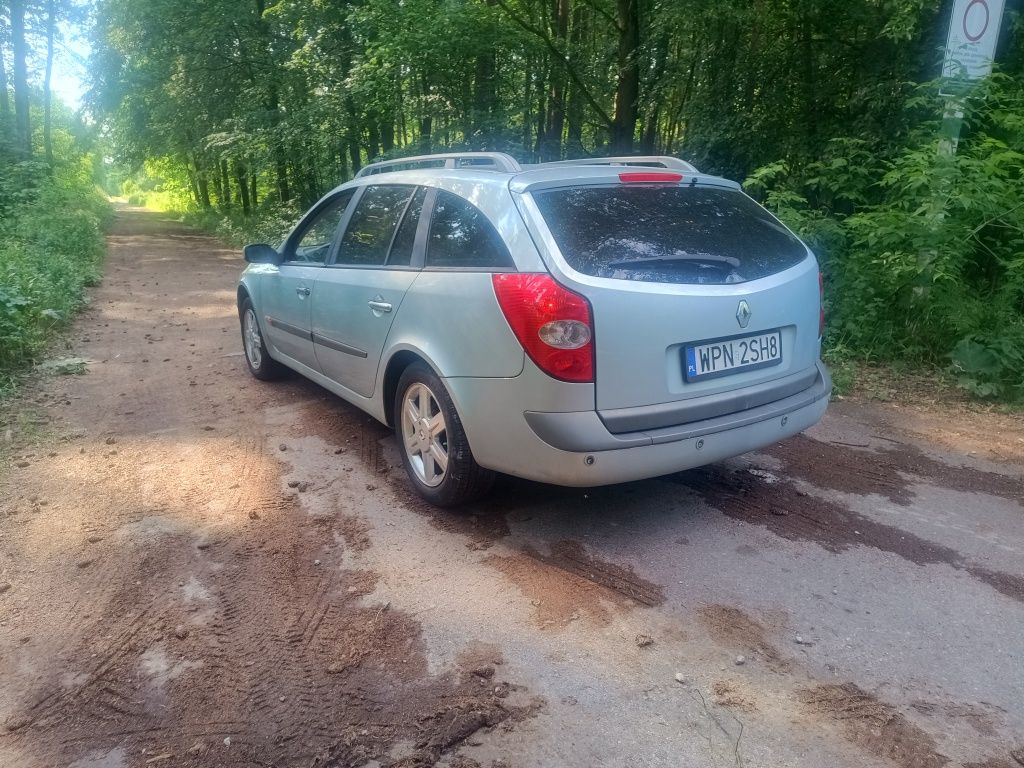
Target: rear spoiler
pixel 556 175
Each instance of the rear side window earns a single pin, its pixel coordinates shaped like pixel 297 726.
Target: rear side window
pixel 461 236
pixel 368 236
pixel 664 234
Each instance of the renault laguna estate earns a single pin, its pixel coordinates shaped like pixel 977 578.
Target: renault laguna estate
pixel 579 323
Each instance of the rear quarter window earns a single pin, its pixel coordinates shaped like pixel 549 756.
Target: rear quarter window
pixel 675 234
pixel 462 237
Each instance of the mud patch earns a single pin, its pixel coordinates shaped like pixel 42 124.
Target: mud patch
pixel 734 695
pixel 852 470
pixel 571 556
pixel 977 717
pixel 355 531
pixel 732 627
pixel 291 667
pixel 793 514
pixel 477 656
pixel 997 762
pixel 558 596
pixel 876 727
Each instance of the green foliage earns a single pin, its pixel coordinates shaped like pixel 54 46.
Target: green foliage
pixel 923 251
pixel 51 247
pixel 270 224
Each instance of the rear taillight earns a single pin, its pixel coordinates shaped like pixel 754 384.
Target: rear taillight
pixel 821 305
pixel 554 325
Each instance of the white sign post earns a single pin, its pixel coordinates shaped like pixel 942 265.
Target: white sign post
pixel 970 48
pixel 971 43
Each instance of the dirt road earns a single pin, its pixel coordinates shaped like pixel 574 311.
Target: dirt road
pixel 198 569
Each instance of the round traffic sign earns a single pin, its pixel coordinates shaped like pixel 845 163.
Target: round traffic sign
pixel 975 21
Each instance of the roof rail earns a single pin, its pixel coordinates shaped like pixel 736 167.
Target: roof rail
pixel 488 161
pixel 662 161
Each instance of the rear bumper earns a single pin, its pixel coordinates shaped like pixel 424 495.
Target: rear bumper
pixel 574 448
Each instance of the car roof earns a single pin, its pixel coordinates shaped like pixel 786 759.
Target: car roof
pixel 462 172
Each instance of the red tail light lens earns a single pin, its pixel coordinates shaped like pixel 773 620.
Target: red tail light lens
pixel 554 325
pixel 821 305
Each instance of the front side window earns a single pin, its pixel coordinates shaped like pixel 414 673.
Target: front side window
pixel 368 236
pixel 315 241
pixel 461 236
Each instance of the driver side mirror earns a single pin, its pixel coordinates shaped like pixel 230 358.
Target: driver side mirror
pixel 261 253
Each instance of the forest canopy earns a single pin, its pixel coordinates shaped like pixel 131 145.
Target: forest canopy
pixel 301 93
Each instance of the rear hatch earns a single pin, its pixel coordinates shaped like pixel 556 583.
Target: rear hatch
pixel 703 302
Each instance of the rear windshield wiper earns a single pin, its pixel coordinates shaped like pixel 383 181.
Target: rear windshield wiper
pixel 705 258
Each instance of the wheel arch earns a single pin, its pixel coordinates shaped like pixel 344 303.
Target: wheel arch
pixel 397 363
pixel 240 296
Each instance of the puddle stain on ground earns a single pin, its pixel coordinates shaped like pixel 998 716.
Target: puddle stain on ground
pixel 875 726
pixel 792 514
pixel 858 471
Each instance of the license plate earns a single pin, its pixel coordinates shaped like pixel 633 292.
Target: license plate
pixel 726 356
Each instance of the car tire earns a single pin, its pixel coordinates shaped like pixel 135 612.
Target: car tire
pixel 433 443
pixel 254 348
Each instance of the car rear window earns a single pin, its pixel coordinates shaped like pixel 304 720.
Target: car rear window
pixel 677 234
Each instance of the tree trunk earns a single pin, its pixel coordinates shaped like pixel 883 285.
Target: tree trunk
pixel 203 185
pixel 551 147
pixel 243 187
pixel 484 95
pixel 5 104
pixel 527 104
pixel 51 24
pixel 426 120
pixel 353 152
pixel 284 192
pixel 193 184
pixel 225 184
pixel 541 110
pixel 372 137
pixel 218 190
pixel 273 107
pixel 22 124
pixel 574 110
pixel 627 92
pixel 387 133
pixel 253 195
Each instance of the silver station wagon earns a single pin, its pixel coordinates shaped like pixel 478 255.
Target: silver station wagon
pixel 578 323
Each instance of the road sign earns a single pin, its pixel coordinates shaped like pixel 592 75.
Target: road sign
pixel 971 43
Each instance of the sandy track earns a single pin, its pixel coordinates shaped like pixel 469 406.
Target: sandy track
pixel 207 570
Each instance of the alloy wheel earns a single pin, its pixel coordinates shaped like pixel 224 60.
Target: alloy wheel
pixel 252 339
pixel 425 434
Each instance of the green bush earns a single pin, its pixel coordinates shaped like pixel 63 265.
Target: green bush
pixel 51 248
pixel 269 224
pixel 923 251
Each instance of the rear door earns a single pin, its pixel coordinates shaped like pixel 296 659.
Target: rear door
pixel 696 290
pixel 286 296
pixel 359 293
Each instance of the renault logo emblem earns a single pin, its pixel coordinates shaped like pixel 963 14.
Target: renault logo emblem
pixel 743 313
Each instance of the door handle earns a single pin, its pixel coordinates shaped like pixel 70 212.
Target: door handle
pixel 379 306
pixel 302 291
